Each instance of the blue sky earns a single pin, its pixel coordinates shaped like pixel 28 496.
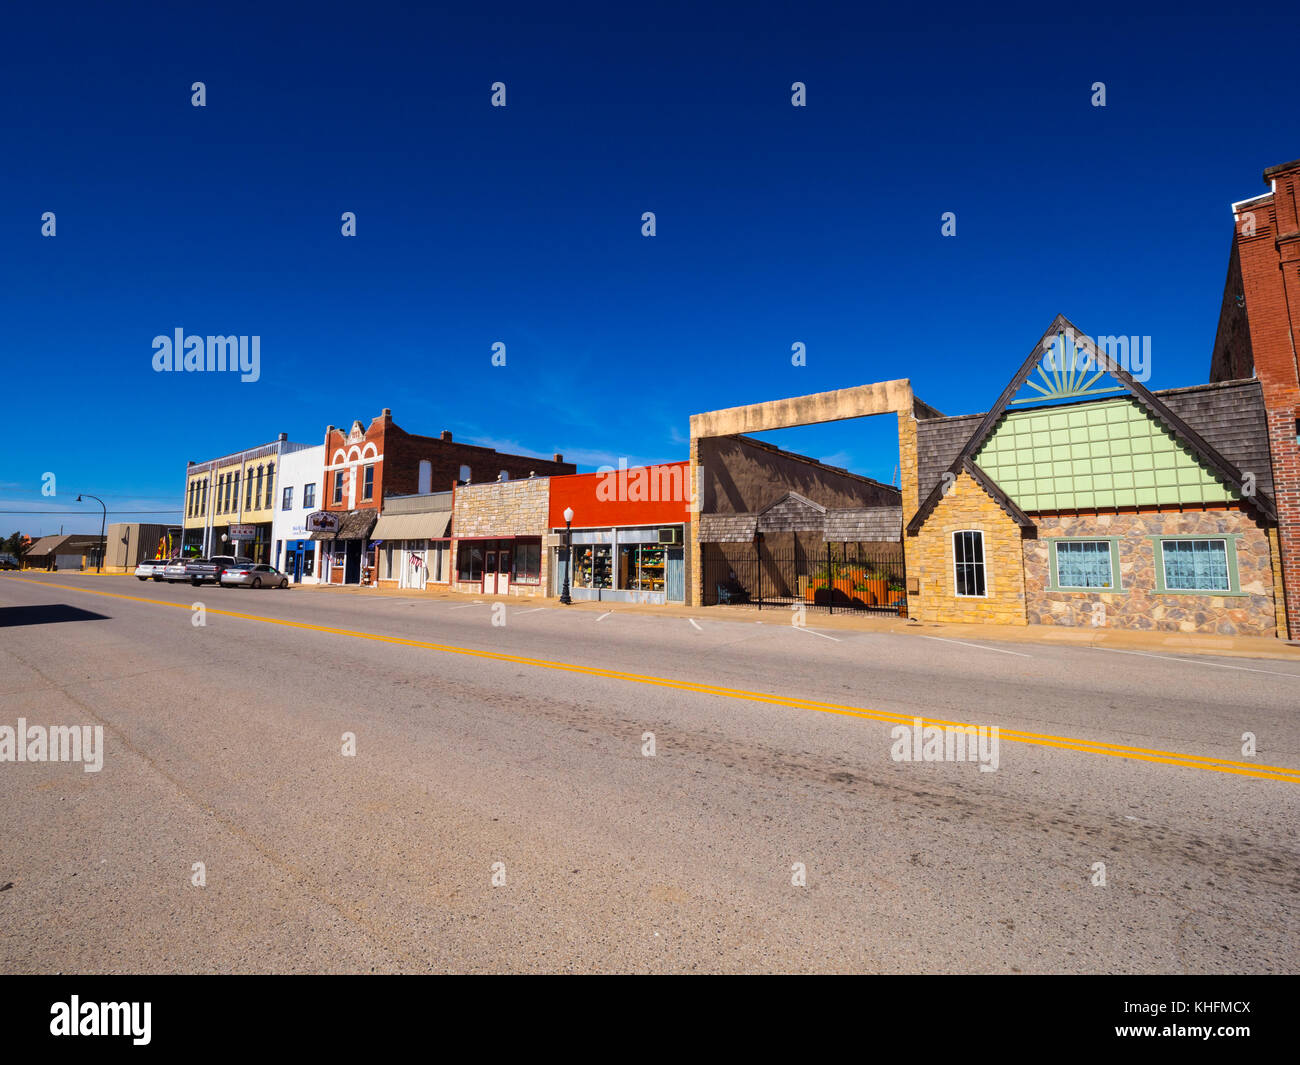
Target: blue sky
pixel 522 224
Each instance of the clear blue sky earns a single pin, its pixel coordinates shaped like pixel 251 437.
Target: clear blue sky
pixel 523 225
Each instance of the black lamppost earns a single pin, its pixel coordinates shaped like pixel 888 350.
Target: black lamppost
pixel 568 555
pixel 103 521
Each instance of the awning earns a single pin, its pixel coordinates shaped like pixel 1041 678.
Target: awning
pixel 431 525
pixel 727 528
pixel 353 525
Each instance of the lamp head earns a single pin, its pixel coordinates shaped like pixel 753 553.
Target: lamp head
pixel 568 515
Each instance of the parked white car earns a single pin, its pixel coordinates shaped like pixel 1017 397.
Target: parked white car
pixel 153 568
pixel 254 576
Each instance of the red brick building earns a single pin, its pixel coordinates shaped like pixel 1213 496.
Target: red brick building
pixel 365 464
pixel 1257 337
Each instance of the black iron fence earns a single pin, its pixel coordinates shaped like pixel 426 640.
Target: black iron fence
pixel 831 577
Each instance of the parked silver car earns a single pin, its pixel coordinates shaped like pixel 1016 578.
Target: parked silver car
pixel 200 570
pixel 175 570
pixel 254 576
pixel 151 568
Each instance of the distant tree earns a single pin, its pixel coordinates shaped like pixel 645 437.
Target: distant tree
pixel 17 545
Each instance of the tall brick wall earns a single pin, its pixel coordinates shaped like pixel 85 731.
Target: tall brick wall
pixel 399 471
pixel 1267 249
pixel 930 559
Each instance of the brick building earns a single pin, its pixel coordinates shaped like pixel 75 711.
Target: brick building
pixel 366 464
pixel 1257 337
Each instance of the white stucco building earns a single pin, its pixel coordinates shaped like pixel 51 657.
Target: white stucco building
pixel 300 487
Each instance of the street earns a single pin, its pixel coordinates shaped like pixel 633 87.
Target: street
pixel 502 810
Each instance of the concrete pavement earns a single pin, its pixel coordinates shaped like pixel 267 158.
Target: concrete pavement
pixel 522 743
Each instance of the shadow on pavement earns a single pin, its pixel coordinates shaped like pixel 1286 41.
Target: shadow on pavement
pixel 46 614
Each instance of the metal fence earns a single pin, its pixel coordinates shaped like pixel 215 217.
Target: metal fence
pixel 842 576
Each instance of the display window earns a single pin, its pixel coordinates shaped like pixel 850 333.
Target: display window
pixel 641 567
pixel 528 561
pixel 593 566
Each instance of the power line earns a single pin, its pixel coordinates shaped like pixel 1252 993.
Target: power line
pixel 83 512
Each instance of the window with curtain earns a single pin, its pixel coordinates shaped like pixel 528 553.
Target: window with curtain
pixel 309 495
pixel 368 483
pixel 338 486
pixel 968 562
pixel 1083 564
pixel 1195 565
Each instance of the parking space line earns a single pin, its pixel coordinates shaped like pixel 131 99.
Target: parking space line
pixel 693 622
pixel 1198 662
pixel 814 632
pixel 534 610
pixel 977 646
pixel 605 615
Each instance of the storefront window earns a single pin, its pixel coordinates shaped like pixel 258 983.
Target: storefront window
pixel 469 564
pixel 528 561
pixel 641 567
pixel 593 566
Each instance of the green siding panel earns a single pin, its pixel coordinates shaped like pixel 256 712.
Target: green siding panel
pixel 1100 455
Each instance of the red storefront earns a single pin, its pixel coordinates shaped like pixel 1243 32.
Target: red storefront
pixel 628 533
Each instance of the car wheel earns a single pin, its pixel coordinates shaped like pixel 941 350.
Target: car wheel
pixel 143 578
pixel 195 581
pixel 284 583
pixel 158 578
pixel 257 582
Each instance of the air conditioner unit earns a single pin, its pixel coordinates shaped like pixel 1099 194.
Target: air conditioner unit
pixel 670 536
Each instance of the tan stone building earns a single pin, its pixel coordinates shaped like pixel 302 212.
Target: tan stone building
pixel 1081 498
pixel 498 529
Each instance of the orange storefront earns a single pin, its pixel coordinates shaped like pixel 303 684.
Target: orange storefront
pixel 628 533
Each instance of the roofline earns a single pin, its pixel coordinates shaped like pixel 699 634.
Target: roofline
pixel 805 458
pixel 1225 469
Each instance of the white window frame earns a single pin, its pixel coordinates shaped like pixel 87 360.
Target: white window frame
pixel 983 565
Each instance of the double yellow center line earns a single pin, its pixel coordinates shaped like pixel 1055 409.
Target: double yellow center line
pixel 1065 743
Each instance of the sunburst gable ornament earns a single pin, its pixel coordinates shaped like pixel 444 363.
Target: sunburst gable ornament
pixel 1067 370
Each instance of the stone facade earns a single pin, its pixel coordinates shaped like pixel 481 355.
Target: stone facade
pixel 1138 605
pixel 930 560
pixel 503 509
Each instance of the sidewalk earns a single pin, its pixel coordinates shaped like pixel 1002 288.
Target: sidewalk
pixel 1118 639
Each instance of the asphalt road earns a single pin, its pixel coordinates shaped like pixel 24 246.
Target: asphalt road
pixel 223 744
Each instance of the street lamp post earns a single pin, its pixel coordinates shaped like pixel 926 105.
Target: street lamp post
pixel 568 555
pixel 103 523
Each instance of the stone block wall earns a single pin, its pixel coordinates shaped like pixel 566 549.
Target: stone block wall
pixel 930 560
pixel 1138 605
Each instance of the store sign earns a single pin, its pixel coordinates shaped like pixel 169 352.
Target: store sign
pixel 322 521
pixel 243 532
